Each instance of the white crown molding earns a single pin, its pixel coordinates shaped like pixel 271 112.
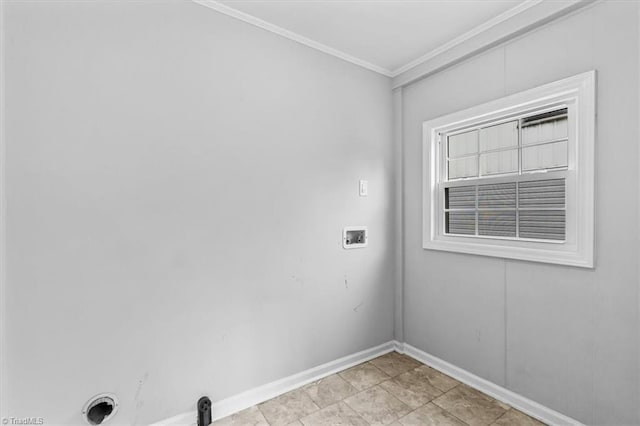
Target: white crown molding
pixel 520 8
pixel 524 17
pixel 527 406
pixel 212 4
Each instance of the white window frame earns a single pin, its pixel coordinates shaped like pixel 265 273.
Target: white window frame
pixel 577 93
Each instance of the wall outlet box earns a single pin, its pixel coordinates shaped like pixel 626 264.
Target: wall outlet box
pixel 355 237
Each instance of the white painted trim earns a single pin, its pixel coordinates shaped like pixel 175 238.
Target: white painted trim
pixel 234 13
pixel 263 393
pixel 251 397
pixel 520 8
pixel 532 408
pixel 398 346
pixel 501 29
pixel 525 16
pixel 579 90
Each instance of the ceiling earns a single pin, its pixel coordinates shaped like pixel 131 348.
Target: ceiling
pixel 388 36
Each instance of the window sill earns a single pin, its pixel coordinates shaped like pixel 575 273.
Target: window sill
pixel 568 258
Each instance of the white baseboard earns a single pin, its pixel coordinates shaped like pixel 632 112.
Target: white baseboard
pixel 233 404
pixel 532 408
pixel 398 346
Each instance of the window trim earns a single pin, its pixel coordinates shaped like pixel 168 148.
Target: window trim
pixel 578 92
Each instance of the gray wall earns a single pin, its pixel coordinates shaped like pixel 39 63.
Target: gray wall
pixel 177 183
pixel 562 336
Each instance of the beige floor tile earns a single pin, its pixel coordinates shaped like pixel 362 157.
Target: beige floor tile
pixel 329 390
pixel 394 363
pixel 411 388
pixel 286 408
pixel 514 417
pixel 336 414
pixel 250 416
pixel 377 406
pixel 471 406
pixel 430 415
pixel 436 378
pixel 364 376
pixel 390 387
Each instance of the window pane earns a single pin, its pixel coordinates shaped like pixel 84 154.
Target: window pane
pixel 545 131
pixel 544 156
pixel 461 197
pixel 463 144
pixel 500 136
pixel 463 167
pixel 460 223
pixel 499 195
pixel 543 224
pixel 499 162
pixel 549 193
pixel 497 223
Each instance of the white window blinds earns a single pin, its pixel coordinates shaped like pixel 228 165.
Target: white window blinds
pixel 532 209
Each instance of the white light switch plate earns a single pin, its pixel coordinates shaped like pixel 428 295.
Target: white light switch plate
pixel 364 188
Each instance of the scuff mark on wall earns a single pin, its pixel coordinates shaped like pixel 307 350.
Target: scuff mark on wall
pixel 355 309
pixel 140 402
pixel 297 279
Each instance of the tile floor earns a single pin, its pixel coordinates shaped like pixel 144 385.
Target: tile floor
pixel 393 389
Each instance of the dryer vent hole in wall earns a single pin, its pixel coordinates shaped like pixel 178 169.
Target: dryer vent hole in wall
pixel 99 409
pixel 99 412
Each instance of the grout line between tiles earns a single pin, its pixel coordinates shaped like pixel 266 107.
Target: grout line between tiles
pixel 359 415
pixel 444 409
pixel 503 414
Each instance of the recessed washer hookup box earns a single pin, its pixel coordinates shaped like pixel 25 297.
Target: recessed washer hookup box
pixel 354 237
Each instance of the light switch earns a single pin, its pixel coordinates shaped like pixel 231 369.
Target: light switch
pixel 364 188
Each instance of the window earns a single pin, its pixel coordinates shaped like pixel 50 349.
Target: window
pixel 525 204
pixel 514 177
